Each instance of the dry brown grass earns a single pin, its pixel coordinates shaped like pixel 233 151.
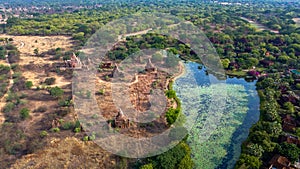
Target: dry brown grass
pixel 68 153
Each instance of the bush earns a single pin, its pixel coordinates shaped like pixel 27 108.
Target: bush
pixel 8 107
pixel 68 125
pixel 77 130
pixel 43 134
pixel 41 109
pixel 24 113
pixel 147 166
pixel 50 81
pixel 172 115
pixel 298 86
pixel 170 94
pixel 56 92
pixel 65 103
pixel 28 84
pixel 56 129
pixel 101 91
pixel 88 94
pixel 86 138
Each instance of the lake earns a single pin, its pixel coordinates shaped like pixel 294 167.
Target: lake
pixel 219 114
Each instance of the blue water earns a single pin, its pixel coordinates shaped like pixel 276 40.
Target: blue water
pixel 220 112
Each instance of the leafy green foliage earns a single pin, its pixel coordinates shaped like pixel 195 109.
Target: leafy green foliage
pixel 56 92
pixel 28 84
pixel 24 113
pixel 43 134
pixel 291 151
pixel 50 81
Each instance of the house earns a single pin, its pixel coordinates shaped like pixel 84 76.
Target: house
pixel 121 121
pixel 280 162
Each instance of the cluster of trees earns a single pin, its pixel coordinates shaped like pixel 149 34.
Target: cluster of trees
pixel 178 157
pixel 264 138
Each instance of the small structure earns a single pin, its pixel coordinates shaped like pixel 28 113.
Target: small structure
pixel 74 62
pixel 121 121
pixel 280 162
pixel 150 67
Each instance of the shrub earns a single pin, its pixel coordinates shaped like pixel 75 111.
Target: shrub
pixel 172 115
pixel 50 81
pixel 298 86
pixel 170 94
pixel 86 138
pixel 77 130
pixel 56 129
pixel 24 113
pixel 147 166
pixel 88 94
pixel 8 107
pixel 43 134
pixel 28 84
pixel 41 109
pixel 68 125
pixel 92 137
pixel 65 103
pixel 56 92
pixel 101 91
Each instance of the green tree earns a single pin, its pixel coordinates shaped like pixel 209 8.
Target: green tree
pixel 24 113
pixel 56 92
pixel 147 166
pixel 225 63
pixel 28 84
pixel 289 106
pixel 291 151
